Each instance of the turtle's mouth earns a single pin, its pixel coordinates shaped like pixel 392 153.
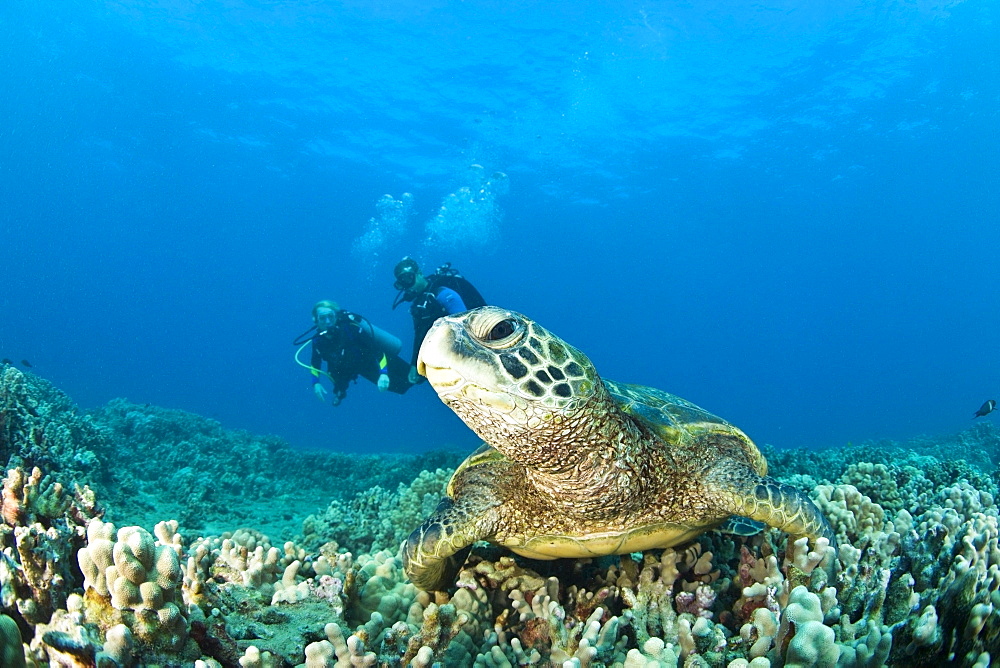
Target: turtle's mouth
pixel 453 387
pixel 481 396
pixel 442 378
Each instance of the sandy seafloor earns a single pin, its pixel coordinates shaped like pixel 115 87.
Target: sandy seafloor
pixel 134 535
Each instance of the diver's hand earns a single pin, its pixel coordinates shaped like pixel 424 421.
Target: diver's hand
pixel 383 382
pixel 414 377
pixel 336 399
pixel 319 391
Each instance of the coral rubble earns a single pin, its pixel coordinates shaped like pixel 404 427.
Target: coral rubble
pixel 134 535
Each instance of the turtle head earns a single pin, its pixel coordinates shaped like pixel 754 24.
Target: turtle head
pixel 511 381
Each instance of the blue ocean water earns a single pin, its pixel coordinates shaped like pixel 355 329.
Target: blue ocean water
pixel 785 212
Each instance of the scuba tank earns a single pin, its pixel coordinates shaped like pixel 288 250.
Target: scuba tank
pixel 384 341
pixel 447 270
pixel 449 277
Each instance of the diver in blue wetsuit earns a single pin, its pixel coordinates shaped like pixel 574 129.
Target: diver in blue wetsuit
pixel 351 346
pixel 445 292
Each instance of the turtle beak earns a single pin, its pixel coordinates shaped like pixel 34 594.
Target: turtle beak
pixel 434 360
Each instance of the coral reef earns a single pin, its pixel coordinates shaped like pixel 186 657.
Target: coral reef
pixel 377 519
pixel 219 561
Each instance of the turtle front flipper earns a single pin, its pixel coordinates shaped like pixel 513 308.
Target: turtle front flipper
pixel 766 500
pixel 436 550
pixel 741 526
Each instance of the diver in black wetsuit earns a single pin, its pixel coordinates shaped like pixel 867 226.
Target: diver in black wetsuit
pixel 445 292
pixel 351 346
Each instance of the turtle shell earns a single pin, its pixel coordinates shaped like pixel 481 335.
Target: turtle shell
pixel 675 420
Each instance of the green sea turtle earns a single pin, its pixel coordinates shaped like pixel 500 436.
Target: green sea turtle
pixel 577 466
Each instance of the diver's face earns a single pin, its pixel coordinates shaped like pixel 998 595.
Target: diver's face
pixel 419 285
pixel 325 318
pixel 412 283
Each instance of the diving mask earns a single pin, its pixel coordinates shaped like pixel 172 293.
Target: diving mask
pixel 326 318
pixel 405 280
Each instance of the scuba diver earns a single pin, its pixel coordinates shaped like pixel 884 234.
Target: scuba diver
pixel 351 346
pixel 445 292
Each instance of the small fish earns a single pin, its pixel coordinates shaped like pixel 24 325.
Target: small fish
pixel 985 409
pixel 26 363
pixel 6 361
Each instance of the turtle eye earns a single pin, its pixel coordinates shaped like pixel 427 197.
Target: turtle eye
pixel 502 330
pixel 499 332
